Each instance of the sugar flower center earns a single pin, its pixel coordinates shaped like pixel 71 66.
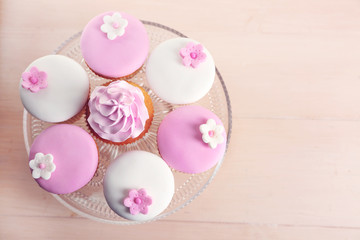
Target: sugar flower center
pixel 137 200
pixel 193 55
pixel 33 79
pixel 115 25
pixel 211 133
pixel 42 165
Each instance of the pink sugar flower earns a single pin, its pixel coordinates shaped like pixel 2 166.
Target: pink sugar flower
pixel 138 201
pixel 34 80
pixel 192 54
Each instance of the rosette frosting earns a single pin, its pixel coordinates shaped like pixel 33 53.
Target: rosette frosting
pixel 117 111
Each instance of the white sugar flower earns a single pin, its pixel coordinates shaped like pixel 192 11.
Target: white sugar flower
pixel 212 133
pixel 42 166
pixel 114 25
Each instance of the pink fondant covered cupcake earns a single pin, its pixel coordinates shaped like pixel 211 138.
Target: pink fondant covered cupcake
pixel 63 158
pixel 114 44
pixel 120 112
pixel 191 139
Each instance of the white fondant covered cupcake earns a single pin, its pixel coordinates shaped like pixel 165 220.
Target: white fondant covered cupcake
pixel 180 71
pixel 54 88
pixel 138 185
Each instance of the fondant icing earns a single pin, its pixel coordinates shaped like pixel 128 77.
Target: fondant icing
pixel 119 57
pixel 169 74
pixel 138 170
pixel 180 140
pixel 74 153
pixel 64 94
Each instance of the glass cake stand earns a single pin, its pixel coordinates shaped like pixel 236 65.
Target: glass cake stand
pixel 89 201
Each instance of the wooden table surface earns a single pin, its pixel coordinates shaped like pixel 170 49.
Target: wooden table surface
pixel 292 69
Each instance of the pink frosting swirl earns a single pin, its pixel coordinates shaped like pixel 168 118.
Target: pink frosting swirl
pixel 117 111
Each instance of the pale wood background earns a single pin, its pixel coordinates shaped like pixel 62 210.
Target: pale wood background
pixel 293 72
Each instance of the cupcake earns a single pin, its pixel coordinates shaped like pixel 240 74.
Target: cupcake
pixel 63 158
pixel 138 185
pixel 180 71
pixel 191 139
pixel 54 88
pixel 114 45
pixel 120 112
